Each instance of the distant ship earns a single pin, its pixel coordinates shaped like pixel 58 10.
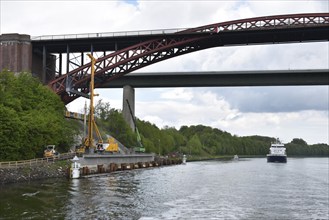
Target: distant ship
pixel 277 153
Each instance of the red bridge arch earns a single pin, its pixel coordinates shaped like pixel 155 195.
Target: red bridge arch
pixel 265 30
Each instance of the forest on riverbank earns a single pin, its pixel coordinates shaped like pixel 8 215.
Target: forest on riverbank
pixel 32 116
pixel 197 140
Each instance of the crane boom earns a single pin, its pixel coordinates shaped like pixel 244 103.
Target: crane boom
pixel 91 121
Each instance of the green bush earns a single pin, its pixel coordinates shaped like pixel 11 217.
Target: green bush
pixel 31 116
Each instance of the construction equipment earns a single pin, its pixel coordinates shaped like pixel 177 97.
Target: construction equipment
pixel 88 143
pixel 110 145
pixel 80 149
pixel 140 147
pixel 50 151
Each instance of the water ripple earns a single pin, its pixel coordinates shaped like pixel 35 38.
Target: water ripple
pixel 247 189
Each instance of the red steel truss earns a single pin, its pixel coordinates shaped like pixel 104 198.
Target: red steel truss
pixel 146 53
pixel 267 22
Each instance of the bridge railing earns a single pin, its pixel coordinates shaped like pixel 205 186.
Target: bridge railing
pixel 22 163
pixel 266 22
pixel 107 34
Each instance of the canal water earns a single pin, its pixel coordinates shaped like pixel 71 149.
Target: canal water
pixel 244 189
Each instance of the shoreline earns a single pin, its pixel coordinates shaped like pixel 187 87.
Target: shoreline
pixel 34 172
pixel 60 169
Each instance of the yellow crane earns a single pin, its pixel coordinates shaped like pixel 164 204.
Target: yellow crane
pixel 91 121
pixel 88 143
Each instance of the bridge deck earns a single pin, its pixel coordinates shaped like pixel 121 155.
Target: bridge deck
pixel 114 43
pixel 222 78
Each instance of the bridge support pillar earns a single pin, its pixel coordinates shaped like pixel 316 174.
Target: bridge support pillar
pixel 128 94
pixel 15 52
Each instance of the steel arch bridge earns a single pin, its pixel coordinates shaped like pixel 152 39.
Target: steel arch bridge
pixel 293 28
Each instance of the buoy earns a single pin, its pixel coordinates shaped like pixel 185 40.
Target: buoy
pixel 75 168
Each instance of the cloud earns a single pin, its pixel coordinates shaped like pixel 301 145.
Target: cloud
pixel 202 108
pixel 177 94
pixel 277 99
pixel 64 17
pixel 284 125
pixel 265 8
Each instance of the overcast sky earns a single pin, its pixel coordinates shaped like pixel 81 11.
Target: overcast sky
pixel 283 112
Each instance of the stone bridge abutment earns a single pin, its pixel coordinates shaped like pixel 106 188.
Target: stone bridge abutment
pixel 17 55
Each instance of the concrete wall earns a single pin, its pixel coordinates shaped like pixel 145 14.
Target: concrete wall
pixel 15 52
pixel 118 159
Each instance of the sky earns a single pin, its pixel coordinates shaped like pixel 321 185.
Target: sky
pixel 285 112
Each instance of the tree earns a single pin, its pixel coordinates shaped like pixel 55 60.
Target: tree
pixel 111 121
pixel 32 116
pixel 195 145
pixel 299 141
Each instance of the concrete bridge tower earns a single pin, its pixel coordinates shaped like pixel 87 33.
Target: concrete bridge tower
pixel 129 94
pixel 17 55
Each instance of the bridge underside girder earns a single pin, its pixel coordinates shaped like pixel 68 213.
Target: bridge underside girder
pixel 265 30
pixel 222 78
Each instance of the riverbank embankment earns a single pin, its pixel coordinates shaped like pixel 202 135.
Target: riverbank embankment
pixel 61 169
pixel 34 172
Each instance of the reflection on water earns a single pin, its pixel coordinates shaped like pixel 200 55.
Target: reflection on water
pixel 247 189
pixel 107 197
